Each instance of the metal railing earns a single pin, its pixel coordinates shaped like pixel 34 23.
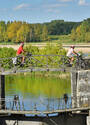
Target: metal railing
pixel 38 61
pixel 31 62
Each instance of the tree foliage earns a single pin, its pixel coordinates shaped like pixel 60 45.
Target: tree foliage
pixel 82 32
pixel 23 33
pixel 18 31
pixel 12 30
pixel 2 30
pixel 60 27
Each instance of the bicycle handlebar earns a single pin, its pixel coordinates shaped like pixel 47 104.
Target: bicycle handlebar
pixel 28 54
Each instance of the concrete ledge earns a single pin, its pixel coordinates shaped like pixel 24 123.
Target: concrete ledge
pixel 88 120
pixel 13 122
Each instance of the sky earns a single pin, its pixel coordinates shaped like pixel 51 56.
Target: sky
pixel 40 11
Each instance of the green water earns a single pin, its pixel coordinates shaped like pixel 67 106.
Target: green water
pixel 31 86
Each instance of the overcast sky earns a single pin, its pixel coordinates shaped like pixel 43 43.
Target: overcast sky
pixel 39 11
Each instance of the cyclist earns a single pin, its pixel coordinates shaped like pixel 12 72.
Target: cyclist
pixel 71 53
pixel 20 51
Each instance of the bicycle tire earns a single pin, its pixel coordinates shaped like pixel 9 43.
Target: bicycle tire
pixel 83 65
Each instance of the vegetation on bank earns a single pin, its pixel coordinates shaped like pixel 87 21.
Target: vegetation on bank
pixel 55 74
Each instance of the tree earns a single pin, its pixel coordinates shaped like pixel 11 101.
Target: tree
pixel 60 27
pixel 2 30
pixel 12 30
pixel 83 31
pixel 44 35
pixel 37 32
pixel 87 37
pixel 31 34
pixel 73 34
pixel 78 33
pixel 23 33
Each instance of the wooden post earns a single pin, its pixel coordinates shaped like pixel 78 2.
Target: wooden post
pixel 2 92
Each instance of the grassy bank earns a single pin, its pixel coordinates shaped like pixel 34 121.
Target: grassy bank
pixel 63 39
pixel 50 74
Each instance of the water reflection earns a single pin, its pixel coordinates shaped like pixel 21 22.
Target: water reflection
pixel 35 86
pixel 37 89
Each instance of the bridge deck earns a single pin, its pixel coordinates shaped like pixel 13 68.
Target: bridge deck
pixel 34 70
pixel 44 112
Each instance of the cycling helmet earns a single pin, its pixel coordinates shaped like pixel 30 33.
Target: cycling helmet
pixel 72 46
pixel 22 44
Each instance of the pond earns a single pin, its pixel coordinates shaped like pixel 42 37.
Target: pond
pixel 33 88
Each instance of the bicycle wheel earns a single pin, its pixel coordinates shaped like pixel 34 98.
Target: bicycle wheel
pixel 77 66
pixel 83 65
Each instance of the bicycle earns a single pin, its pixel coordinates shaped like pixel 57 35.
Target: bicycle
pixel 17 61
pixel 65 61
pixel 79 62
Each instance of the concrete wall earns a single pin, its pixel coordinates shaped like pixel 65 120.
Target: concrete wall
pixel 83 87
pixel 16 122
pixel 88 120
pixel 74 75
pixel 80 87
pixel 83 83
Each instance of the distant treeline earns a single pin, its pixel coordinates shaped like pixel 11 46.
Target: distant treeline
pixel 18 31
pixel 60 27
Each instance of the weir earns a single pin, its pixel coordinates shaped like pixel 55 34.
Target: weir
pixel 78 113
pixel 80 87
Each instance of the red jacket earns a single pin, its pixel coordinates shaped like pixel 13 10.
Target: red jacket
pixel 20 50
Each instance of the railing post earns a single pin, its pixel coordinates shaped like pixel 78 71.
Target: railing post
pixel 2 92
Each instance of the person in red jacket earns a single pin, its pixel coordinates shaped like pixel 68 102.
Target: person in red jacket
pixel 20 51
